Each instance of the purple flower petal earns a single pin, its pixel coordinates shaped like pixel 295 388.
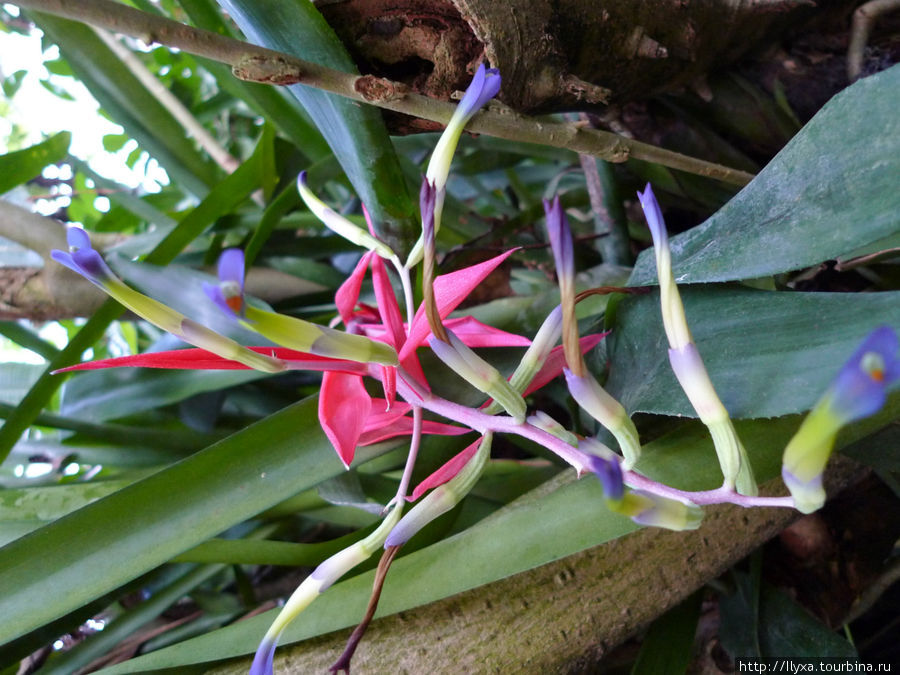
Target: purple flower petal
pixel 609 473
pixel 82 258
pixel 560 239
pixel 231 266
pixel 860 389
pixel 265 655
pixel 228 294
pixel 485 85
pixel 654 217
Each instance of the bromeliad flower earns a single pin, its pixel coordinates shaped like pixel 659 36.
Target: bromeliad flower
pixel 858 391
pixel 378 344
pixel 687 364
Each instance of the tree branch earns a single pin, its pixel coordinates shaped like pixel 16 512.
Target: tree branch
pixel 264 65
pixel 51 292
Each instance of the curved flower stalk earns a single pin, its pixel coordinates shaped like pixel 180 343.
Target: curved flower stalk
pixel 485 85
pixel 858 391
pixel 687 364
pixel 586 391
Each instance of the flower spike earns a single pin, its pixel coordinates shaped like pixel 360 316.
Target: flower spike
pixel 858 391
pixel 485 85
pixel 318 582
pixel 687 364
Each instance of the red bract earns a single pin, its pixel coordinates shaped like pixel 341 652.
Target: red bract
pixel 344 406
pixel 199 359
pixel 446 472
pixel 449 291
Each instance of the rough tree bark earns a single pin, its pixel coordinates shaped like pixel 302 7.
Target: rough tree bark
pixel 561 54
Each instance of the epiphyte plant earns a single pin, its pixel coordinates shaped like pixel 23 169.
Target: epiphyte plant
pixel 381 343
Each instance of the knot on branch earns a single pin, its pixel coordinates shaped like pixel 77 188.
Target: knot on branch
pixel 379 89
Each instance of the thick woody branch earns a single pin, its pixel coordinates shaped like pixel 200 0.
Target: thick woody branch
pixel 264 65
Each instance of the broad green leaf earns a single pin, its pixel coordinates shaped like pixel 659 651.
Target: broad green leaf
pixel 99 547
pixel 831 190
pixel 356 134
pixel 23 165
pixel 26 509
pixel 767 353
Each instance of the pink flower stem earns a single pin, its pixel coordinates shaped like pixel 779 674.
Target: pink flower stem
pixel 722 495
pixel 481 422
pixel 414 444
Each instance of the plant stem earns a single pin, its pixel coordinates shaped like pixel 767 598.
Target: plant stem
pixel 258 64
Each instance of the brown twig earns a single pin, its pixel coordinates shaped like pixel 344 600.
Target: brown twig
pixel 264 65
pixel 863 19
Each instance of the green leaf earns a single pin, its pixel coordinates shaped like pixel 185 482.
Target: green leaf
pixel 667 647
pixel 832 189
pixel 26 509
pixel 22 165
pixel 767 353
pixel 356 134
pixel 783 628
pixel 99 547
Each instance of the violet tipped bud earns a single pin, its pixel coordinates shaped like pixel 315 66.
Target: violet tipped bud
pixel 858 391
pixel 653 510
pixel 479 373
pixel 687 364
pixel 597 402
pixel 560 236
pixel 85 260
pixel 605 465
pixel 484 86
pixel 340 225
